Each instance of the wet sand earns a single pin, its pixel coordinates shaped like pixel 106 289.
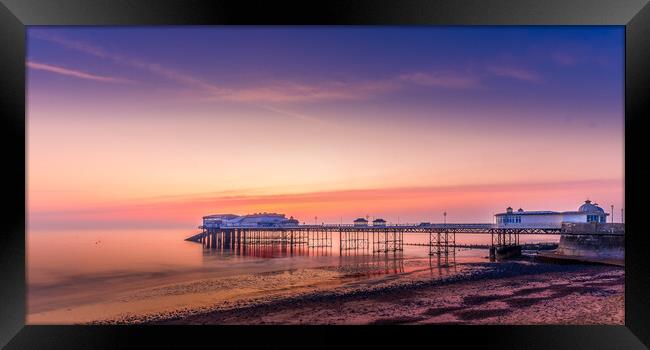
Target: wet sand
pixel 520 292
pixel 143 298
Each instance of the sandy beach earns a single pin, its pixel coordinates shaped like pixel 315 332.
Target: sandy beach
pixel 519 292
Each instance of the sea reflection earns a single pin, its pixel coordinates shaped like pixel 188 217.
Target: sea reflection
pixel 267 251
pixel 443 263
pixel 361 262
pixel 368 265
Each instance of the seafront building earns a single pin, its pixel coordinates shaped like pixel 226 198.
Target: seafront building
pixel 251 220
pixel 587 212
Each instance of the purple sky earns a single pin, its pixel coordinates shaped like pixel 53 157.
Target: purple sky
pixel 122 116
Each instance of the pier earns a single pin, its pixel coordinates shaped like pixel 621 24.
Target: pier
pixel 375 239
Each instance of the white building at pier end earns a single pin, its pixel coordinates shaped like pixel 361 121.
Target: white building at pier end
pixel 250 220
pixel 587 212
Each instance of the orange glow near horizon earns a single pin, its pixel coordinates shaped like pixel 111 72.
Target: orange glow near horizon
pixel 463 204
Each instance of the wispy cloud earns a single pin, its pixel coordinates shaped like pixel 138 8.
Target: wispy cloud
pixel 75 73
pixel 300 116
pixel 275 92
pixel 516 73
pixel 444 79
pixel 153 68
pixel 301 92
pixel 280 93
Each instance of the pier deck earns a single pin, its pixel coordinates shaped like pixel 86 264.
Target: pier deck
pixel 384 238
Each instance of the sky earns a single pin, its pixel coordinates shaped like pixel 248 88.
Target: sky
pixel 157 126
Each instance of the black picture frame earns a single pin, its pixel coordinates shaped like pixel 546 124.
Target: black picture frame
pixel 15 15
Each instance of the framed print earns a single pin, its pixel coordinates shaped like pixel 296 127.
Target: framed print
pixel 468 171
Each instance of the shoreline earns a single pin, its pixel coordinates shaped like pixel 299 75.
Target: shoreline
pixel 513 292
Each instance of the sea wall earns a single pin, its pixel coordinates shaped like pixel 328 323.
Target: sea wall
pixel 593 241
pixel 593 227
pixel 596 246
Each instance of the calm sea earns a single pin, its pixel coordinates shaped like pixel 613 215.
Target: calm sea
pixel 86 275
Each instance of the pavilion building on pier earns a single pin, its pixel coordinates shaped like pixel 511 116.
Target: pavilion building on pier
pixel 360 222
pixel 250 220
pixel 587 212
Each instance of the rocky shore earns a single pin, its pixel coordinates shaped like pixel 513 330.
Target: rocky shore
pixel 516 292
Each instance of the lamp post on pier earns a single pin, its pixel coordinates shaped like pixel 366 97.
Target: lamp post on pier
pixel 444 215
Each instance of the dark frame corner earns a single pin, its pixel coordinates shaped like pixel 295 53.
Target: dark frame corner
pixel 16 14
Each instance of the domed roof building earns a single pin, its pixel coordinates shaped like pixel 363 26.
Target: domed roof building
pixel 587 212
pixel 588 207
